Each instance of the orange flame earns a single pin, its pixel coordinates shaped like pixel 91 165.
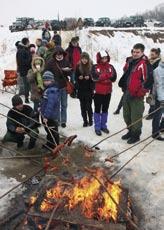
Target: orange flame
pixel 88 194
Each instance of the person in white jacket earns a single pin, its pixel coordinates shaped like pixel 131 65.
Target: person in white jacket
pixel 158 92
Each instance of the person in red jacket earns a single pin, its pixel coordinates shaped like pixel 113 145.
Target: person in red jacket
pixel 104 75
pixel 73 56
pixel 136 81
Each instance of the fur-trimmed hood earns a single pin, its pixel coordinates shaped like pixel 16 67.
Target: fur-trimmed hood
pixel 42 63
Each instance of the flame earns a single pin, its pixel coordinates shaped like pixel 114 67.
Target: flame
pixel 88 194
pixel 33 200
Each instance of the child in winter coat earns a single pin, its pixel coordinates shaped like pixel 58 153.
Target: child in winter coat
pixel 35 80
pixel 105 74
pixel 50 109
pixel 158 92
pixel 84 86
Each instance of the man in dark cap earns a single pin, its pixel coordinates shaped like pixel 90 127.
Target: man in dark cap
pixel 18 124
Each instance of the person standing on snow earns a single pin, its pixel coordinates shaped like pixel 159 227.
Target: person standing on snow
pixel 136 81
pixel 35 80
pixel 57 39
pixel 73 56
pixel 49 109
pixel 85 87
pixel 158 92
pixel 59 66
pixel 105 74
pixel 154 61
pixel 24 59
pixel 41 47
pixel 46 34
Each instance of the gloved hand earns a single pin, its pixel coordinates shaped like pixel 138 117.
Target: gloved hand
pixel 162 104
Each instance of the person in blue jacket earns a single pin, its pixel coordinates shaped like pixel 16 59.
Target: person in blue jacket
pixel 50 109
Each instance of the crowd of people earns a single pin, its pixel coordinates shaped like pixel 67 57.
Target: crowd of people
pixel 48 73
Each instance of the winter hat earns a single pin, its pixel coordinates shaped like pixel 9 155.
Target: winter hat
pixel 16 100
pixel 85 55
pixel 103 53
pixel 59 50
pixel 25 41
pixel 50 45
pixel 48 76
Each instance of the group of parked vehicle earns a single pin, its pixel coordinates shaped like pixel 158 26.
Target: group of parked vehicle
pixel 25 23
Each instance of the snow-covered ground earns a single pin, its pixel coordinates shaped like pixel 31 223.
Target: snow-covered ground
pixel 145 176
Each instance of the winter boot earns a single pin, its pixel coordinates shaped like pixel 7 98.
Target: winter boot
pixel 104 117
pixel 97 121
pixel 85 124
pixel 126 136
pixel 98 132
pixel 133 139
pixel 116 112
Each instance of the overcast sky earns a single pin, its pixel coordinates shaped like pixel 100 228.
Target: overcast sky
pixel 48 9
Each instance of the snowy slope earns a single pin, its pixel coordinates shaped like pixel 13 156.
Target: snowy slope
pixel 144 176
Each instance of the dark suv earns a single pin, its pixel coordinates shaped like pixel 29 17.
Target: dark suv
pixel 103 22
pixel 88 22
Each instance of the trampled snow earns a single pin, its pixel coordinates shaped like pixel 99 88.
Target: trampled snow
pixel 145 175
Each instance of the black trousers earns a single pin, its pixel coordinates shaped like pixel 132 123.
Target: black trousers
pixel 52 133
pixel 102 103
pixel 86 107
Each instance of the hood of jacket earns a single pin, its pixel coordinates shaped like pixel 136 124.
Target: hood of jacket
pixel 98 57
pixel 59 49
pixel 42 63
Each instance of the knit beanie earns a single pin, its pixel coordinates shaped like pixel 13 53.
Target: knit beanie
pixel 25 41
pixel 16 100
pixel 48 76
pixel 85 55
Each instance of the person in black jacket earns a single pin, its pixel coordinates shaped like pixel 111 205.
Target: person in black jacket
pixel 85 87
pixel 24 59
pixel 15 131
pixel 59 66
pixel 57 39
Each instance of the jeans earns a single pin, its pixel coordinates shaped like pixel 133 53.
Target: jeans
pixel 52 133
pixel 156 123
pixel 62 116
pixel 102 103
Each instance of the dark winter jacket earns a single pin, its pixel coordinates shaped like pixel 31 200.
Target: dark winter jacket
pixel 138 77
pixel 46 35
pixel 57 39
pixel 50 102
pixel 73 55
pixel 105 74
pixel 24 59
pixel 28 111
pixel 84 86
pixel 55 67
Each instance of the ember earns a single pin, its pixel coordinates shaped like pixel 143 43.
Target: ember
pixel 88 195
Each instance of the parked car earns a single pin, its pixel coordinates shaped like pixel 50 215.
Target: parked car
pixel 103 22
pixel 88 22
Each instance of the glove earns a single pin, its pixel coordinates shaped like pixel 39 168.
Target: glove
pixel 162 104
pixel 150 100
